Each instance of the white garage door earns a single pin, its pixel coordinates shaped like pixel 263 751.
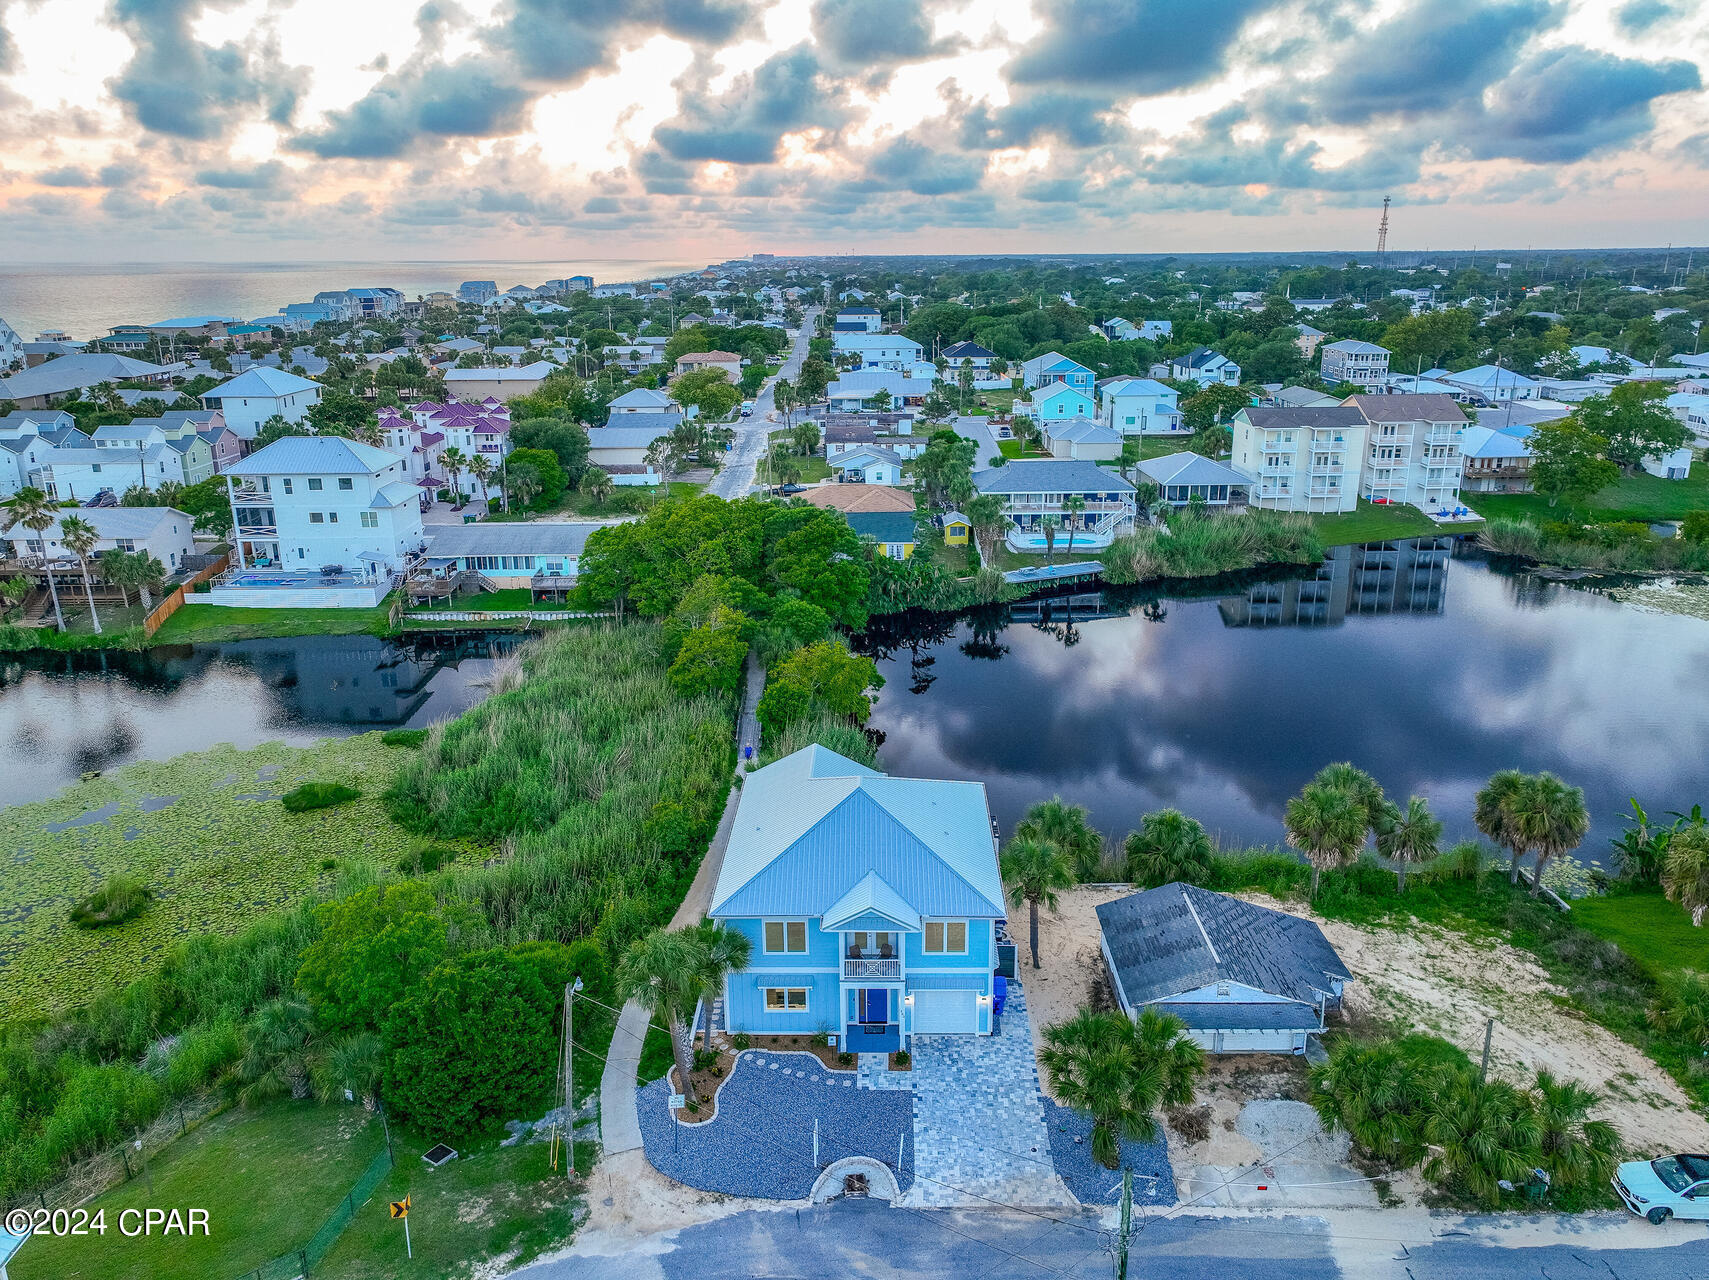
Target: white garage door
pixel 937 1012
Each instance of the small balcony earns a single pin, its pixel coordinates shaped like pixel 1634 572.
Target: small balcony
pixel 865 967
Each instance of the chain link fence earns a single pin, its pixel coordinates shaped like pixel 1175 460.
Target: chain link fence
pixel 299 1264
pixel 99 1173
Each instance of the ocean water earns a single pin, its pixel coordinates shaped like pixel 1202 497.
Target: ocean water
pixel 86 299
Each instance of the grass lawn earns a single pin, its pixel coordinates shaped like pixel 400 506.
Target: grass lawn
pixel 622 502
pixel 1162 446
pixel 1635 497
pixel 1658 934
pixel 813 467
pixel 490 1202
pixel 989 402
pixel 1012 449
pixel 268 1179
pixel 1372 523
pixel 195 623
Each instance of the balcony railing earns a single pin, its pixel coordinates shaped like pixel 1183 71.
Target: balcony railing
pixel 872 967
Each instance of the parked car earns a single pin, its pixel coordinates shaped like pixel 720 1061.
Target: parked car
pixel 1667 1187
pixel 747 408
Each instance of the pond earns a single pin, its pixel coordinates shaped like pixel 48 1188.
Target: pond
pixel 1420 661
pixel 63 715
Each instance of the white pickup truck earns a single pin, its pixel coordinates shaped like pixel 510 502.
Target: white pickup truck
pixel 1667 1187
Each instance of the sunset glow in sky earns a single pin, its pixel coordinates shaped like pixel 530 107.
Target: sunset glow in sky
pixel 274 129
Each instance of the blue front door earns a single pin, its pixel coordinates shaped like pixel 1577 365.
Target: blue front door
pixel 874 1005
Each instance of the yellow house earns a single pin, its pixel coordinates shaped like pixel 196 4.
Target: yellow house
pixel 892 532
pixel 957 529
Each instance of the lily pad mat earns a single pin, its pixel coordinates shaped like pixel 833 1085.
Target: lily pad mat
pixel 205 831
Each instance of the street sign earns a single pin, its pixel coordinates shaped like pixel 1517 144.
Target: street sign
pixel 678 1100
pixel 400 1208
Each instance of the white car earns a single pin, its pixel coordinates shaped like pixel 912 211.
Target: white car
pixel 1667 1187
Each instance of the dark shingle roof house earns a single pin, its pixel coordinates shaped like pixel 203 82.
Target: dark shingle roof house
pixel 1243 978
pixel 883 526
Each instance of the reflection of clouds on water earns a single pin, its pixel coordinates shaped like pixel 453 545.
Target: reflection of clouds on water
pixel 65 716
pixel 1227 721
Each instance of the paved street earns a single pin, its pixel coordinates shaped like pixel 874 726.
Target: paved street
pixel 867 1238
pixel 741 463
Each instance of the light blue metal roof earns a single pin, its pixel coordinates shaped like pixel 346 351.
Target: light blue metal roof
pixel 314 455
pixel 871 896
pixel 811 827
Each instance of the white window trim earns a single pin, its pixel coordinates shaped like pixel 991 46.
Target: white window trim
pixel 785 921
pixel 806 999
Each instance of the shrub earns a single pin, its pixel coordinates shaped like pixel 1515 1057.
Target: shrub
pixel 404 737
pixel 845 1059
pixel 201 1055
pixel 740 1041
pixel 1695 526
pixel 425 858
pixel 902 1058
pixel 120 899
pixel 317 795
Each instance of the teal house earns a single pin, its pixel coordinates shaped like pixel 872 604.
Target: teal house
pixel 871 903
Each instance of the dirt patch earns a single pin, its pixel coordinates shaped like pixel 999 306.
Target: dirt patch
pixel 1071 973
pixel 706 1080
pixel 1426 978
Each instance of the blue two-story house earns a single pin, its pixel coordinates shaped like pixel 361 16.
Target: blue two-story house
pixel 871 903
pixel 1053 367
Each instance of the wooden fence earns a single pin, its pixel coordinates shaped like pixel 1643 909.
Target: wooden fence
pixel 175 598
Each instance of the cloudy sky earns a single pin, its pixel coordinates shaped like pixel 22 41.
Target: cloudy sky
pixel 698 129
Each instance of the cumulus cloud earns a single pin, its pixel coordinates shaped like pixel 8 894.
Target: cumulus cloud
pixel 1565 104
pixel 1141 47
pixel 745 123
pixel 176 85
pixel 875 34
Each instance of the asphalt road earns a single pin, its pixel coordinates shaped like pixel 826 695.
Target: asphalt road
pixel 736 477
pixel 867 1238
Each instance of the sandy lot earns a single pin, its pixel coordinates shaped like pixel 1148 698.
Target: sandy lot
pixel 1423 978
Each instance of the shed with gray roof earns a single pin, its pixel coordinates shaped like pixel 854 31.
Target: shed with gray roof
pixel 1243 978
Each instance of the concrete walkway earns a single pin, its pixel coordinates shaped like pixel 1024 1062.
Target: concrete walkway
pixel 619 1121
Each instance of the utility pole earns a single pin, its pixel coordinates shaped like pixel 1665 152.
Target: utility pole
pixel 1127 1224
pixel 1383 236
pixel 569 1080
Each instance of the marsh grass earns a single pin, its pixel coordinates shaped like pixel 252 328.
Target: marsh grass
pixel 1612 549
pixel 1201 544
pixel 120 899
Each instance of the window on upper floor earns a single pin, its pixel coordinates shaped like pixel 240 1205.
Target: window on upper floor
pixel 287 483
pixel 946 937
pixel 786 937
pixel 370 519
pixel 316 517
pixel 346 483
pixel 314 484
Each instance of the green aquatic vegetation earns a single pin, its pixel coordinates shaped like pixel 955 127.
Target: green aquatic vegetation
pixel 204 832
pixel 121 898
pixel 317 795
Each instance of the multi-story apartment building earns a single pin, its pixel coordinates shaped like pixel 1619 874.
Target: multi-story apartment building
pixel 1364 364
pixel 1301 459
pixel 1412 451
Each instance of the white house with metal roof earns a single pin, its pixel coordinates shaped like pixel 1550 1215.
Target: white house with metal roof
pixel 320 522
pixel 871 902
pixel 1364 364
pixel 1243 978
pixel 1140 407
pixel 260 393
pixel 164 532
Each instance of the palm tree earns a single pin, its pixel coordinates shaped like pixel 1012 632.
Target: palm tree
pixel 1683 1007
pixel 724 951
pixel 481 467
pixel 1685 873
pixel 1168 846
pixel 1576 1150
pixel 1348 777
pixel 32 508
pixel 1328 825
pixel 1069 828
pixel 1034 871
pixel 78 536
pixel 149 576
pixel 985 515
pixel 1552 818
pixel 1375 1092
pixel 664 972
pixel 525 483
pixel 1073 506
pixel 1407 835
pixel 1480 1134
pixel 356 1063
pixel 279 1053
pixel 454 460
pixel 597 485
pixel 13 592
pixel 1050 524
pixel 1119 1073
pixel 1493 812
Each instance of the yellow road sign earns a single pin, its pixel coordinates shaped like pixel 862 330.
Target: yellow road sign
pixel 400 1208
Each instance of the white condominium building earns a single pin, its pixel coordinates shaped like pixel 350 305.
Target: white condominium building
pixel 1301 459
pixel 1413 452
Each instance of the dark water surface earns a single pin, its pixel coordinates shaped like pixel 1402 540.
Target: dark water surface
pixel 62 715
pixel 1418 661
